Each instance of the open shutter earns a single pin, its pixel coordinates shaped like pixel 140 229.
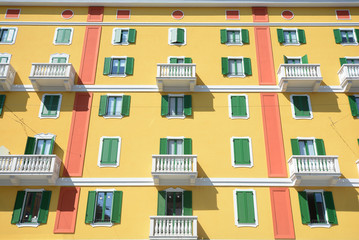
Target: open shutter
pixel 103 105
pixel 107 66
pixel 16 214
pixel 356 31
pixel 295 146
pixel 163 146
pixel 52 146
pixel 224 36
pixel 241 151
pixel 353 106
pixel 342 61
pixel 2 101
pixel 280 35
pixel 245 36
pixel 285 59
pixel 164 105
pixel 337 36
pixel 187 105
pixel 245 207
pixel 301 36
pixel 187 60
pixel 329 203
pixel 305 59
pixel 118 33
pixel 187 146
pixel 239 108
pixel 30 145
pixel 173 60
pixel 304 209
pixel 126 100
pixel 173 35
pixel 187 203
pixel 180 35
pixel 129 65
pixel 91 200
pixel 161 203
pixel 301 106
pixel 109 151
pixel 132 36
pixel 44 207
pixel 225 67
pixel 320 146
pixel 116 207
pixel 247 66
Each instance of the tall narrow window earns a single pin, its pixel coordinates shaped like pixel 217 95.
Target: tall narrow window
pixel 245 208
pixel 175 146
pixel 63 36
pixel 109 154
pixel 50 107
pixel 301 107
pixel 176 106
pixel 115 106
pixel 238 107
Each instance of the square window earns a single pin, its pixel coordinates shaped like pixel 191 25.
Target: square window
pixel 114 106
pixel 5 58
pixel 109 154
pixel 241 152
pixel 177 36
pixel 63 36
pixel 176 106
pixel 7 35
pixel 50 106
pixel 234 36
pixel 238 107
pixel 290 36
pixel 342 14
pixel 301 107
pixel 176 146
pixel 41 144
pixel 352 60
pixel 245 208
pixel 123 36
pixel 123 14
pixel 174 202
pixel 118 66
pixel 306 147
pixel 347 36
pixel 59 58
pixel 294 61
pixel 232 14
pixel 236 66
pixel 12 13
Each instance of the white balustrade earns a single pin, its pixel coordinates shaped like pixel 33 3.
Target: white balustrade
pixel 174 163
pixel 29 164
pixel 176 70
pixel 7 76
pixel 349 77
pixel 314 164
pixel 299 71
pixel 173 226
pixel 51 70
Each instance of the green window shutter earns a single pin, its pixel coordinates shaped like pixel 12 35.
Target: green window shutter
pixel 30 145
pixel 225 67
pixel 285 59
pixel 67 36
pixel 91 201
pixel 163 146
pixel 2 101
pixel 224 36
pixel 103 105
pixel 301 106
pixel 161 203
pixel 129 65
pixel 51 104
pixel 187 105
pixel 239 108
pixel 301 36
pixel 337 36
pixel 164 105
pixel 187 146
pixel 44 207
pixel 187 60
pixel 304 208
pixel 173 60
pixel 126 101
pixel 60 35
pixel 280 35
pixel 241 151
pixel 320 146
pixel 16 214
pixel 247 66
pixel 245 207
pixel 109 151
pixel 245 36
pixel 329 203
pixel 305 59
pixel 116 207
pixel 118 33
pixel 180 35
pixel 107 66
pixel 357 34
pixel 353 106
pixel 342 61
pixel 187 203
pixel 132 36
pixel 295 146
pixel 52 145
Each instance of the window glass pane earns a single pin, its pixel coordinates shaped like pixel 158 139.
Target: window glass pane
pixel 110 106
pixel 115 66
pixel 286 36
pixel 39 146
pixel 99 206
pixel 302 147
pixel 179 147
pixel 239 66
pixel 172 106
pixel 170 203
pixel 357 102
pixel 178 210
pixel 312 208
pixel 179 111
pixel 320 207
pixel 122 66
pixel 310 146
pixel 232 67
pixel 293 36
pixel 171 147
pixel 230 36
pixel 293 61
pixel 236 36
pixel 47 147
pixel 118 106
pixel 31 207
pixel 124 38
pixel 352 61
pixel 3 59
pixel 108 208
pixel 344 36
pixel 180 60
pixel 350 36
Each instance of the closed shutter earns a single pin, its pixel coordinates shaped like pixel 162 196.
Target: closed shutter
pixel 305 59
pixel 44 207
pixel 164 105
pixel 353 106
pixel 52 145
pixel 320 146
pixel 301 106
pixel 304 208
pixel 187 203
pixel 132 35
pixel 103 106
pixel 239 108
pixel 163 146
pixel 337 36
pixel 16 214
pixel 118 33
pixel 247 66
pixel 245 36
pixel 107 66
pixel 173 60
pixel 187 60
pixel 187 146
pixel 301 36
pixel 91 200
pixel 129 65
pixel 109 151
pixel 280 35
pixel 342 61
pixel 329 203
pixel 30 145
pixel 225 67
pixel 180 35
pixel 67 36
pixel 285 59
pixel 126 101
pixel 51 104
pixel 187 105
pixel 161 203
pixel 241 151
pixel 116 207
pixel 295 146
pixel 2 101
pixel 356 31
pixel 245 207
pixel 60 35
pixel 223 36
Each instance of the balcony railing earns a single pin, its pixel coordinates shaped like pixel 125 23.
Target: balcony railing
pixel 173 227
pixel 314 168
pixel 18 168
pixel 52 75
pixel 306 77
pixel 349 77
pixel 7 76
pixel 175 168
pixel 176 76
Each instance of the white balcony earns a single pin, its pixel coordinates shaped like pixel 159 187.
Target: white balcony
pixel 299 77
pixel 52 76
pixel 314 170
pixel 174 169
pixel 7 75
pixel 29 169
pixel 173 227
pixel 176 76
pixel 349 77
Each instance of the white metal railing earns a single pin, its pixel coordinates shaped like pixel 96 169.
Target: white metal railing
pixel 299 71
pixel 179 70
pixel 173 226
pixel 29 164
pixel 313 164
pixel 174 163
pixel 348 71
pixel 51 70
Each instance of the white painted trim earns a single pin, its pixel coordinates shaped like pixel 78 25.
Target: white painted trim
pixel 178 57
pixel 69 17
pixel 295 58
pixel 243 75
pixel 236 210
pixel 100 153
pixel 45 136
pixel 114 116
pixel 239 14
pixel 310 138
pixel 179 116
pixel 177 44
pixel 350 16
pixel 55 36
pixel 13 9
pixel 296 32
pixel 240 37
pixel 293 108
pixel 352 58
pixel 58 106
pixel 8 55
pixel 174 190
pixel 174 138
pixel 176 11
pixel 354 34
pixel 230 107
pixel 250 153
pixel 287 18
pixel 102 224
pixel 114 35
pixel 129 16
pixel 118 75
pixel 64 55
pixel 14 37
pixel 319 225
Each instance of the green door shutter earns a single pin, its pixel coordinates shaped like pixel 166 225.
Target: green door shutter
pixel 285 59
pixel 44 207
pixel 241 151
pixel 353 106
pixel 187 60
pixel 280 35
pixel 225 67
pixel 116 207
pixel 180 35
pixel 337 36
pixel 245 207
pixel 247 66
pixel 245 36
pixel 187 203
pixel 2 101
pixel 187 146
pixel 109 151
pixel 91 201
pixel 52 146
pixel 118 33
pixel 30 145
pixel 132 36
pixel 187 105
pixel 173 60
pixel 329 203
pixel 103 106
pixel 239 107
pixel 301 106
pixel 295 146
pixel 342 61
pixel 16 214
pixel 320 146
pixel 305 59
pixel 161 203
pixel 163 146
pixel 301 35
pixel 129 65
pixel 126 100
pixel 164 105
pixel 304 209
pixel 224 36
pixel 107 66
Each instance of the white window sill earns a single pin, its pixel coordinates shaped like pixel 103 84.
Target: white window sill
pixel 50 117
pixel 62 44
pixel 239 117
pixel 117 75
pixel 243 165
pixel 108 165
pixel 298 118
pixel 234 44
pixel 236 76
pixel 178 44
pixel 108 116
pixel 291 44
pixel 176 117
pixel 27 224
pixel 319 225
pixel 108 224
pixel 120 43
pixel 10 43
pixel 246 224
pixel 349 44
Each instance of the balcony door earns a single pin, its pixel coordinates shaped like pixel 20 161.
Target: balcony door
pixel 174 203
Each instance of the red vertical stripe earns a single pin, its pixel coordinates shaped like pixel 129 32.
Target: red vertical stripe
pixel 260 14
pixel 95 14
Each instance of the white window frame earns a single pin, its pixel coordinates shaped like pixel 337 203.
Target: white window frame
pixel 179 116
pixel 319 225
pixel 351 58
pixel 110 116
pixel 118 75
pixel 42 106
pixel 179 44
pixel 71 35
pixel 240 37
pixel 236 210
pixel 355 43
pixel 293 108
pixel 294 58
pixel 14 37
pixel 60 55
pixel 178 57
pixel 250 153
pixel 243 75
pixel 100 152
pixel 99 224
pixel 114 34
pixel 230 107
pixel 23 207
pixel 175 138
pixel 176 190
pixel 8 55
pixel 314 144
pixel 296 32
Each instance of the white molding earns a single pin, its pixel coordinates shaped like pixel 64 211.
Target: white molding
pixel 58 107
pixel 113 36
pixel 177 44
pixel 8 55
pixel 250 153
pixel 236 210
pixel 55 35
pixel 102 224
pixel 174 190
pixel 350 16
pixel 243 75
pixel 45 136
pixel 296 32
pixel 64 55
pixel 293 108
pixel 230 106
pixel 354 34
pixel 12 9
pixel 240 37
pixel 13 38
pixel 100 153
